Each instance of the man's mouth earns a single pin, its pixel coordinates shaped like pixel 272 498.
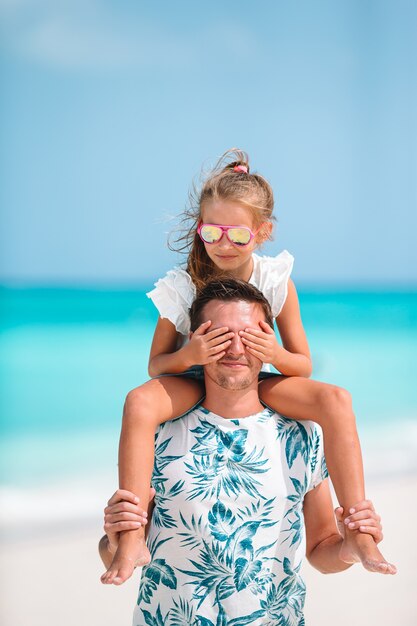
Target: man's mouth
pixel 234 364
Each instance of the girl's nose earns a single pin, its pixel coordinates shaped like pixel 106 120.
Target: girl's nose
pixel 224 242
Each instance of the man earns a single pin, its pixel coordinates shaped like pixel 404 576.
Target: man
pixel 241 495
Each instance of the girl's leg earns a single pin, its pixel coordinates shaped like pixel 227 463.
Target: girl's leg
pixel 146 407
pixel 331 408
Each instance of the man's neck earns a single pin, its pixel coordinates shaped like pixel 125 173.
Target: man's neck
pixel 232 404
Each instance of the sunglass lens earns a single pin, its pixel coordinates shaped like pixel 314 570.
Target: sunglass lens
pixel 239 236
pixel 211 234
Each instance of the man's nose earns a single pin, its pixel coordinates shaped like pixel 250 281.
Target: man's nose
pixel 236 345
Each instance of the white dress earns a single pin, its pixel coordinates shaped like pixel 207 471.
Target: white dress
pixel 227 532
pixel 174 293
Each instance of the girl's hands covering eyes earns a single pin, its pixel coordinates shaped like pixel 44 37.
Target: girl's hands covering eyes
pixel 207 346
pixel 261 342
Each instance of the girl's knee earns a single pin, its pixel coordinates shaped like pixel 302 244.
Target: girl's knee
pixel 138 402
pixel 334 399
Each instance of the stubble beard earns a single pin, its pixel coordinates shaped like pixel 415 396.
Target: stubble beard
pixel 233 382
pixel 226 382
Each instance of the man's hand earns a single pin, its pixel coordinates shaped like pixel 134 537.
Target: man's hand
pixel 362 517
pixel 207 346
pixel 123 512
pixel 262 343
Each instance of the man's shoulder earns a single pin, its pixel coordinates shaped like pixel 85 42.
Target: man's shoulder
pixel 302 446
pixel 288 424
pixel 302 436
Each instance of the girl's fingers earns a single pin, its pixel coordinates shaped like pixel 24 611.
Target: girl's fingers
pixel 252 348
pixel 121 495
pixel 201 330
pixel 216 357
pixel 220 348
pixel 258 338
pixel 254 344
pixel 257 332
pixel 221 338
pixel 266 327
pixel 259 355
pixel 212 334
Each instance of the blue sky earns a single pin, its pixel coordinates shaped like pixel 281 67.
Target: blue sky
pixel 109 110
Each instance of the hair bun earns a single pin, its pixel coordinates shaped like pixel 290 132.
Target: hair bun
pixel 231 159
pixel 241 168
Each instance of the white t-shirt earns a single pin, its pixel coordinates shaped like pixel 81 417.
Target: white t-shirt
pixel 173 294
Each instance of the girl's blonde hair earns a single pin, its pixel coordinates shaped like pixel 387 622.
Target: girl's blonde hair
pixel 224 182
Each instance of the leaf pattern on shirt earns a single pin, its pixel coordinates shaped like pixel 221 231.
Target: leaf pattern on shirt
pixel 224 478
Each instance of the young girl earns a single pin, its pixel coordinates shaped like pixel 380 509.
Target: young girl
pixel 232 218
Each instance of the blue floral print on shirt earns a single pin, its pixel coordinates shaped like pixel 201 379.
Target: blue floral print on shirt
pixel 227 532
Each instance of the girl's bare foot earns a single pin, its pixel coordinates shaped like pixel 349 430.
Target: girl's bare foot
pixel 361 548
pixel 129 554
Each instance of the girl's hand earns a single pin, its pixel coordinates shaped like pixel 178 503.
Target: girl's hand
pixel 262 343
pixel 364 518
pixel 123 512
pixel 207 346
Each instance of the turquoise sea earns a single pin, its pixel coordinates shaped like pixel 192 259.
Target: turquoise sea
pixel 69 356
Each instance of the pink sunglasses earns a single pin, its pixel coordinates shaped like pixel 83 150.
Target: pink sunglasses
pixel 238 235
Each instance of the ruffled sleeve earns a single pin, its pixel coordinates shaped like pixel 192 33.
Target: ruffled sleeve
pixel 173 295
pixel 270 275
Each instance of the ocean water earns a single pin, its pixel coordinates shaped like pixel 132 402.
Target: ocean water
pixel 68 358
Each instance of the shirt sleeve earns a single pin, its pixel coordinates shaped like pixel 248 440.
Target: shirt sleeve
pixel 173 295
pixel 273 279
pixel 317 462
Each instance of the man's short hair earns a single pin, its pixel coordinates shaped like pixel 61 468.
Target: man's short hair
pixel 228 290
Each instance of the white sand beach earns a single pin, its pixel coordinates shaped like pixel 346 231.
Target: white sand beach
pixel 54 581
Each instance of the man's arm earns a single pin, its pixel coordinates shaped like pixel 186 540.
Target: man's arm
pixel 122 513
pixel 323 538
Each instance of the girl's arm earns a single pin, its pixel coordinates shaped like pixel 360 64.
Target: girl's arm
pixel 293 357
pixel 204 347
pixel 164 357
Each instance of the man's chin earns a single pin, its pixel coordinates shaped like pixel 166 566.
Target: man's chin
pixel 234 381
pixel 233 384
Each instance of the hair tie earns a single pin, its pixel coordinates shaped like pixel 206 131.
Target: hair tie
pixel 241 168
